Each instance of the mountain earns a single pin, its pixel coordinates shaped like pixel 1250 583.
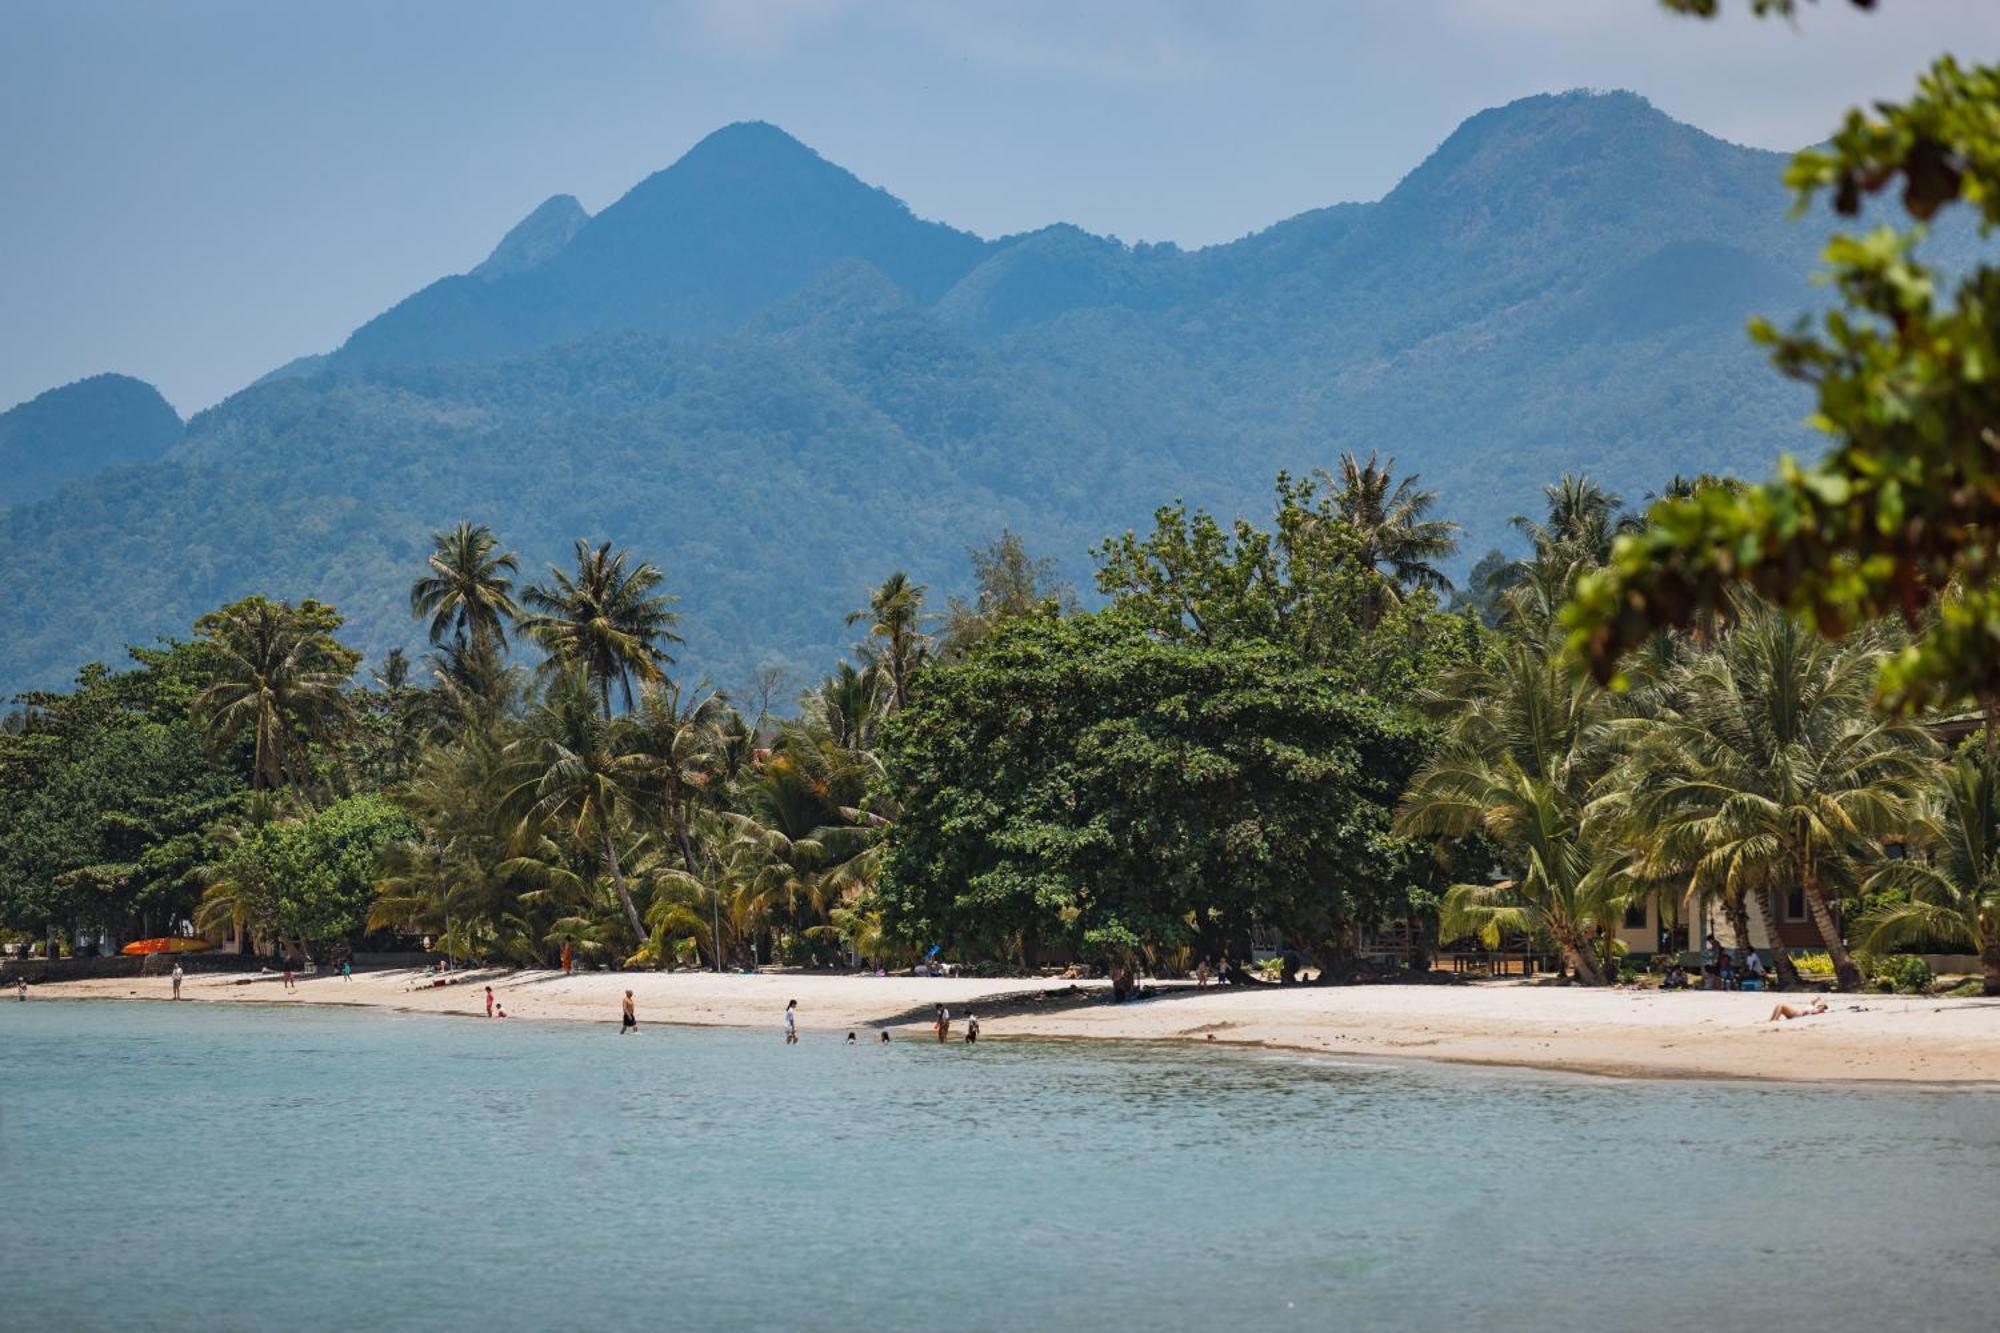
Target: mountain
pixel 746 218
pixel 535 239
pixel 777 383
pixel 79 429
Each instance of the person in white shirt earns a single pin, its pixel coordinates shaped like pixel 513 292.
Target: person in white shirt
pixel 791 1023
pixel 178 974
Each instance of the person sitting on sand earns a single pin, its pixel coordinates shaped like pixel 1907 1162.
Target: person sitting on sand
pixel 1787 1011
pixel 885 1031
pixel 500 1012
pixel 630 1020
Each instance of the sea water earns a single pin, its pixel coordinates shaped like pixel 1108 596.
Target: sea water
pixel 196 1166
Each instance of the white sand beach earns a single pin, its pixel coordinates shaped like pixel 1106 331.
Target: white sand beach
pixel 1615 1032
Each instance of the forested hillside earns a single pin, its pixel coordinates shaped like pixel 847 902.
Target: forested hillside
pixel 778 384
pixel 80 429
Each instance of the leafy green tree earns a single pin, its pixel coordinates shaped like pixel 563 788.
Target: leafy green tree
pixel 1898 519
pixel 1306 583
pixel 277 676
pixel 309 879
pixel 469 590
pixel 610 622
pixel 1080 782
pixel 1007 582
pixel 1949 885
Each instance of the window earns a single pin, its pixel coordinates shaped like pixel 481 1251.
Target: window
pixel 1635 915
pixel 1795 904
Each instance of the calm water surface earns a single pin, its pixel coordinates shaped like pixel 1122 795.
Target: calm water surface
pixel 195 1166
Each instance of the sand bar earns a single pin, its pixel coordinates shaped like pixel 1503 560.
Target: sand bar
pixel 1619 1032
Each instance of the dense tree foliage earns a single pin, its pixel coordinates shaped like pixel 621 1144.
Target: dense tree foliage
pixel 1084 786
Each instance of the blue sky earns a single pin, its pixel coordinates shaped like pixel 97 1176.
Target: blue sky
pixel 199 191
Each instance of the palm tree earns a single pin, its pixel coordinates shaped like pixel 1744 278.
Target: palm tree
pixel 1953 884
pixel 1525 745
pixel 1388 517
pixel 571 777
pixel 275 679
pixel 676 738
pixel 1772 771
pixel 679 743
pixel 1583 521
pixel 847 705
pixel 468 591
pixel 896 620
pixel 605 620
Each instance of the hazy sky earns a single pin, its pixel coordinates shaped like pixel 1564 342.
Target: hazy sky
pixel 198 191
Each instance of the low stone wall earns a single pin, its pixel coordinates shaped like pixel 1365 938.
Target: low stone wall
pixel 38 970
pixel 1942 963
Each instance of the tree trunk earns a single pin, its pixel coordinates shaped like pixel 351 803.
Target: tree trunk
pixel 1580 958
pixel 1739 919
pixel 1787 976
pixel 1989 956
pixel 624 894
pixel 1846 975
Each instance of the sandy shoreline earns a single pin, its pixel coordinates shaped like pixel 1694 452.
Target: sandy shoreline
pixel 1896 1039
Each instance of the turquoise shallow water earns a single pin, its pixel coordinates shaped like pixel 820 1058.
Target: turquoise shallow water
pixel 234 1168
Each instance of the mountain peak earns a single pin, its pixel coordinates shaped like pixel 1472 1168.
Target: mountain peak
pixel 79 428
pixel 536 237
pixel 749 138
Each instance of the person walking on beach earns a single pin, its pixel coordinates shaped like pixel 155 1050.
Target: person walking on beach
pixel 792 1023
pixel 1201 975
pixel 347 969
pixel 289 983
pixel 971 1028
pixel 489 1002
pixel 943 1023
pixel 568 957
pixel 630 1020
pixel 178 974
pixel 21 989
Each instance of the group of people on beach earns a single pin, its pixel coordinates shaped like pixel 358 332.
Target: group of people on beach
pixel 628 1021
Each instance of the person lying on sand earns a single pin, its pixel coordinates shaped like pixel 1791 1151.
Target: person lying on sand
pixel 1787 1011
